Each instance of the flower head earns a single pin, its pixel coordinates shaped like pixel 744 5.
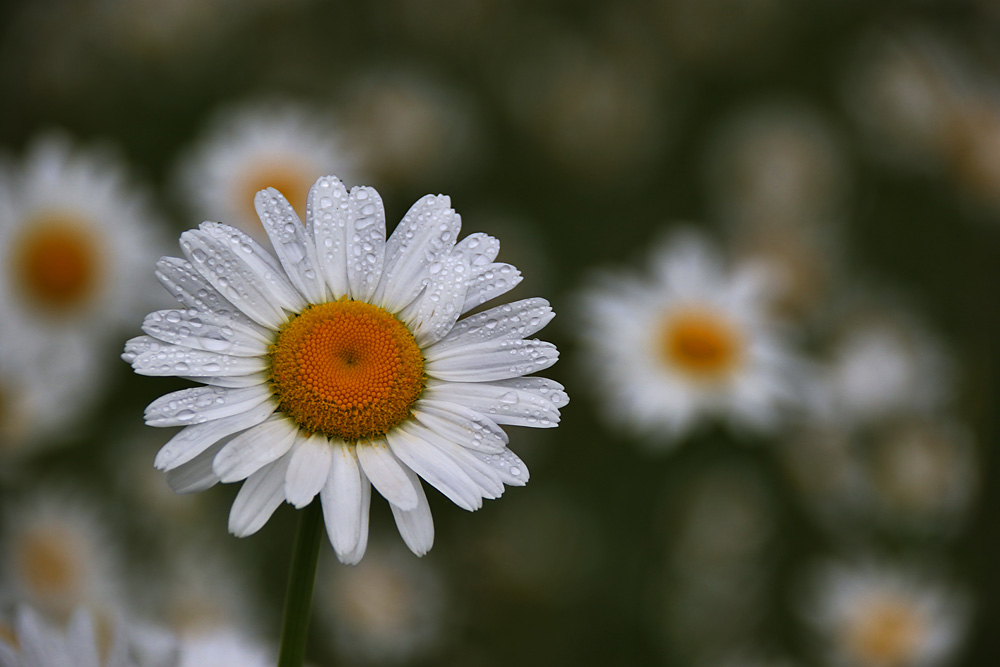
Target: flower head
pixel 883 616
pixel 343 364
pixel 691 341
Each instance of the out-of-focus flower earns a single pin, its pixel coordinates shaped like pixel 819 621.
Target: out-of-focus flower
pixel 902 88
pixel 884 366
pixel 407 128
pixel 255 145
pixel 388 609
pixel 777 163
pixel 885 616
pixel 346 365
pixel 35 409
pixel 75 240
pixel 922 473
pixel 58 554
pixel 224 648
pixel 35 643
pixel 692 341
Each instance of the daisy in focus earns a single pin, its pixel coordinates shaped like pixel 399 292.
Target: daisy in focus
pixel 343 364
pixel 254 146
pixel 689 342
pixel 878 616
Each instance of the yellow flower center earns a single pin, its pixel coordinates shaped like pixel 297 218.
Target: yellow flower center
pixel 47 563
pixel 885 634
pixel 289 179
pixel 57 264
pixel 700 343
pixel 346 369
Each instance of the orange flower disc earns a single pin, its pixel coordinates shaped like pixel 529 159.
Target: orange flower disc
pixel 346 369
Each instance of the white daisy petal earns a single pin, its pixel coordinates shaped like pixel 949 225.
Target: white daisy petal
pixel 508 466
pixel 80 635
pixel 460 424
pixel 387 474
pixel 504 405
pixel 265 267
pixel 254 448
pixel 192 290
pixel 497 360
pixel 195 475
pixel 328 214
pixel 201 404
pixel 479 248
pixel 428 229
pixel 260 495
pixel 519 319
pixel 161 359
pixel 193 440
pixel 488 282
pixel 345 498
pixel 441 302
pixel 544 388
pixel 236 281
pixel 416 526
pixel 436 468
pixel 232 381
pixel 296 251
pixel 365 238
pixel 308 469
pixel 203 331
pixel 484 476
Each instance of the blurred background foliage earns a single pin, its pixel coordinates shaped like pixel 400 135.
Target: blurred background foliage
pixel 576 132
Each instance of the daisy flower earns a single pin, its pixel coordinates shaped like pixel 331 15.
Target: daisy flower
pixel 256 145
pixel 75 241
pixel 389 609
pixel 880 616
pixel 37 644
pixel 57 555
pixel 690 341
pixel 883 367
pixel 224 648
pixel 343 364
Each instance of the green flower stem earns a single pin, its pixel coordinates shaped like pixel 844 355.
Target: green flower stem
pixel 301 577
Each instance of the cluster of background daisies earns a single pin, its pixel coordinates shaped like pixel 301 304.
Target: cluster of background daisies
pixel 771 236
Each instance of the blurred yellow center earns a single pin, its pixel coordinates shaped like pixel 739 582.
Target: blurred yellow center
pixel 885 634
pixel 700 344
pixel 346 369
pixel 290 180
pixel 57 264
pixel 47 562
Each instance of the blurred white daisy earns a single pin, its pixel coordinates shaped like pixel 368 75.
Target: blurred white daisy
pixel 255 145
pixel 883 367
pixel 777 163
pixel 922 473
pixel 346 364
pixel 35 409
pixel 58 555
pixel 691 341
pixel 76 239
pixel 388 609
pixel 36 643
pixel 883 616
pixel 224 648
